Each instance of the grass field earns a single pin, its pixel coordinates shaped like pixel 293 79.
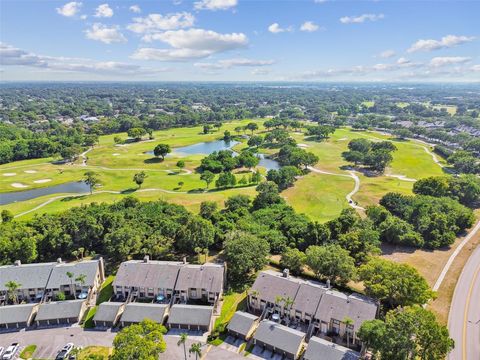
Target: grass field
pixel 94 352
pixel 320 196
pixel 27 353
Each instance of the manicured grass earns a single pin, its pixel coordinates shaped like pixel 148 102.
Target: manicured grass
pixel 368 104
pixel 27 353
pixel 88 323
pixel 106 291
pixel 231 302
pixel 94 352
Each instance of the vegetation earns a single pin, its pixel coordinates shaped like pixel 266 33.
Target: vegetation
pixel 28 351
pixel 139 341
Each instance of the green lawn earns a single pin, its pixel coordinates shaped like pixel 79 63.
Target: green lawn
pixel 94 352
pixel 231 302
pixel 27 353
pixel 106 291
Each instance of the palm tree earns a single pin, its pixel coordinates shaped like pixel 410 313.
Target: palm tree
pixel 70 276
pixel 196 349
pixel 278 300
pixel 183 340
pixel 12 288
pixel 253 293
pixel 347 321
pixel 288 303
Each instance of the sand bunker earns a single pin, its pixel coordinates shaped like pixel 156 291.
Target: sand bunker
pixel 42 181
pixel 342 139
pixel 30 171
pixel 402 177
pixel 19 185
pixel 116 154
pixel 302 145
pixel 9 174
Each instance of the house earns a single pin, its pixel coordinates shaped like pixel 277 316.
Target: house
pixel 279 339
pixel 31 278
pixel 60 312
pixel 306 301
pixel 146 278
pixel 242 325
pixel 335 307
pixel 321 349
pixel 108 314
pixel 190 317
pixel 17 316
pixel 270 287
pixel 200 282
pixel 137 312
pixel 86 277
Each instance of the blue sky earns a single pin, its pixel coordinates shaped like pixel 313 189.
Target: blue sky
pixel 240 40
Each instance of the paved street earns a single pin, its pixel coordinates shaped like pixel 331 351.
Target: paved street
pixel 49 341
pixel 464 317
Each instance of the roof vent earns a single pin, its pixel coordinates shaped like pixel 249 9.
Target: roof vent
pixel 146 258
pixel 59 260
pixel 286 273
pixel 17 263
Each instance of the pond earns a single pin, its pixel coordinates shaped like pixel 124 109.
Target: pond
pixel 76 187
pixel 206 148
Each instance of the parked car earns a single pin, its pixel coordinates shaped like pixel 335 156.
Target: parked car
pixel 63 354
pixel 10 352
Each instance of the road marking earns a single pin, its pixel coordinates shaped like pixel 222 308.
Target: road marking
pixel 465 315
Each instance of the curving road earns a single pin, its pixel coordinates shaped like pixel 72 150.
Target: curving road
pixel 464 317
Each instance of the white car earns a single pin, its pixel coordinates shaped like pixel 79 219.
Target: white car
pixel 63 354
pixel 10 352
pixel 1 350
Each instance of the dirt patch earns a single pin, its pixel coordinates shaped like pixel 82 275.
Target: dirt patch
pixel 9 174
pixel 19 185
pixel 402 177
pixel 42 181
pixel 30 171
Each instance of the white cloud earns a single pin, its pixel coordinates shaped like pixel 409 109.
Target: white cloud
pixel 157 22
pixel 69 9
pixel 105 34
pixel 309 26
pixel 191 44
pixel 387 54
pixel 445 42
pixel 12 56
pixel 361 18
pixel 135 9
pixel 259 72
pixel 83 17
pixel 229 63
pixel 475 68
pixel 103 10
pixel 448 60
pixel 215 4
pixel 275 28
pixel 319 1
pixel 403 61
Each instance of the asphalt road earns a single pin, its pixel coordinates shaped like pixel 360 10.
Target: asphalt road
pixel 464 317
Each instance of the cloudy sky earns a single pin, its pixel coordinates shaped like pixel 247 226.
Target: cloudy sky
pixel 240 40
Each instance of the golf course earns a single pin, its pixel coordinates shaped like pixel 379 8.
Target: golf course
pixel 321 194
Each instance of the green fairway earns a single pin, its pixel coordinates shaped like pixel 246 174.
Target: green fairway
pixel 320 196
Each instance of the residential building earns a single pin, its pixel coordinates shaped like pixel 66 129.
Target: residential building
pixel 190 317
pixel 321 349
pixel 200 283
pixel 279 339
pixel 137 312
pixel 108 314
pixel 60 312
pixel 17 316
pixel 146 278
pixel 243 325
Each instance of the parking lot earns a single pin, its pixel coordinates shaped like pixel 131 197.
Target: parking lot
pixel 49 341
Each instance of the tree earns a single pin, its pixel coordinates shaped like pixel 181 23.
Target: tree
pixel 183 341
pixel 407 333
pixel 71 275
pixel 255 141
pixel 139 341
pixel 283 177
pixel 331 262
pixel 252 127
pixel 394 284
pixel 248 159
pixel 196 348
pixel 139 178
pixel 117 140
pixel 227 136
pixel 226 179
pixel 12 287
pixel 92 180
pixel 267 195
pixel 256 177
pixel 81 280
pixel 207 209
pixel 136 133
pixel 294 260
pixel 208 177
pixel 162 150
pixel 403 133
pixel 6 216
pixel 348 323
pixel 180 165
pixel 433 186
pixel 245 253
pixel 197 232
